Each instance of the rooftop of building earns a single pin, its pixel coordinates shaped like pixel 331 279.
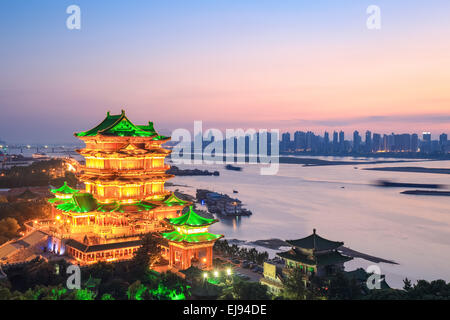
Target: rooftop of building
pixel 65 189
pixel 101 247
pixel 324 259
pixel 315 242
pixel 120 126
pixel 191 219
pixel 175 236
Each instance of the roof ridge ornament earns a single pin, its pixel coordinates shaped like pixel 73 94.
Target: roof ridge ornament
pixel 314 238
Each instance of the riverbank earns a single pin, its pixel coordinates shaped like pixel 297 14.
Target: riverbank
pixel 191 172
pixel 280 245
pixel 427 193
pixel 412 169
pixel 311 162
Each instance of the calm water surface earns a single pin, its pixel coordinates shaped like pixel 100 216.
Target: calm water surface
pixel 342 203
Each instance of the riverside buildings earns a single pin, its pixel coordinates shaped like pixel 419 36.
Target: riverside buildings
pixel 373 143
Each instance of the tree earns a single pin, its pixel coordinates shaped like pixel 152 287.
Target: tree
pixel 9 228
pixel 107 296
pixel 294 287
pixel 407 284
pixel 136 291
pixel 245 290
pixel 343 288
pixel 146 256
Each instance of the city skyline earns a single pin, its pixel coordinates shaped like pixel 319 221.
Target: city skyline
pixel 231 64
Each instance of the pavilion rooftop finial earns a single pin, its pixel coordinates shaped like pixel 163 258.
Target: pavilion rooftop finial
pixel 314 238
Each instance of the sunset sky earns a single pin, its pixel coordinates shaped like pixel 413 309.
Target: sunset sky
pixel 306 65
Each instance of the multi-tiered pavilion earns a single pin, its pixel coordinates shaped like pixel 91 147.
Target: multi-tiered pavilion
pixel 124 194
pixel 190 242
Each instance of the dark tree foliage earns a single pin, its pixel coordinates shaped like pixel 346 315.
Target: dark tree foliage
pixel 245 290
pixel 37 174
pixel 146 256
pixel 342 288
pixel 37 273
pixel 233 251
pixel 294 287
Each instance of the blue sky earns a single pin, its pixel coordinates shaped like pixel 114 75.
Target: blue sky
pixel 228 63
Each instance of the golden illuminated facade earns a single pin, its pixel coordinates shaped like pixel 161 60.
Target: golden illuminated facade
pixel 124 176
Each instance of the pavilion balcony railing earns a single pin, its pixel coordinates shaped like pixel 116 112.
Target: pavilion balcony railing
pixel 131 171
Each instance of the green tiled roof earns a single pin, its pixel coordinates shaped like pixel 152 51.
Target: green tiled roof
pixel 315 242
pixel 119 125
pixel 56 200
pixel 191 238
pixel 80 202
pixel 65 189
pixel 119 207
pixel 173 200
pixel 329 258
pixel 191 219
pixel 101 247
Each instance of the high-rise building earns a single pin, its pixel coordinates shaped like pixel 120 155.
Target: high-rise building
pixel 341 137
pixel 326 137
pixel 335 141
pixel 285 142
pixel 443 139
pixel 377 142
pixel 368 141
pixel 299 140
pixel 414 142
pixel 356 141
pixel 426 142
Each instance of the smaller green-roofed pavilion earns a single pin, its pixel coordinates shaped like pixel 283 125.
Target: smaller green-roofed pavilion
pixel 315 242
pixel 65 189
pixel 173 200
pixel 190 242
pixel 191 238
pixel 191 219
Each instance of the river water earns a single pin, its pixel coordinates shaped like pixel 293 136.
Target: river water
pixel 343 204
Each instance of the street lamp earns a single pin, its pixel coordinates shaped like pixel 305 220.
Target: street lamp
pixel 229 271
pixel 216 274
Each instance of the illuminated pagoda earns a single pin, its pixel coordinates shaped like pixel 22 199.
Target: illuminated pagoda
pixel 124 194
pixel 190 243
pixel 315 255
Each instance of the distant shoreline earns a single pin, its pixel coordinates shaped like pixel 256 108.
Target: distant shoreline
pixel 276 244
pixel 413 169
pixel 311 162
pixel 427 193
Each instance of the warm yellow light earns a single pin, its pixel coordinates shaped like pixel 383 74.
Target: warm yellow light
pixel 204 259
pixel 216 273
pixel 228 271
pixel 35 221
pixel 58 218
pixel 205 275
